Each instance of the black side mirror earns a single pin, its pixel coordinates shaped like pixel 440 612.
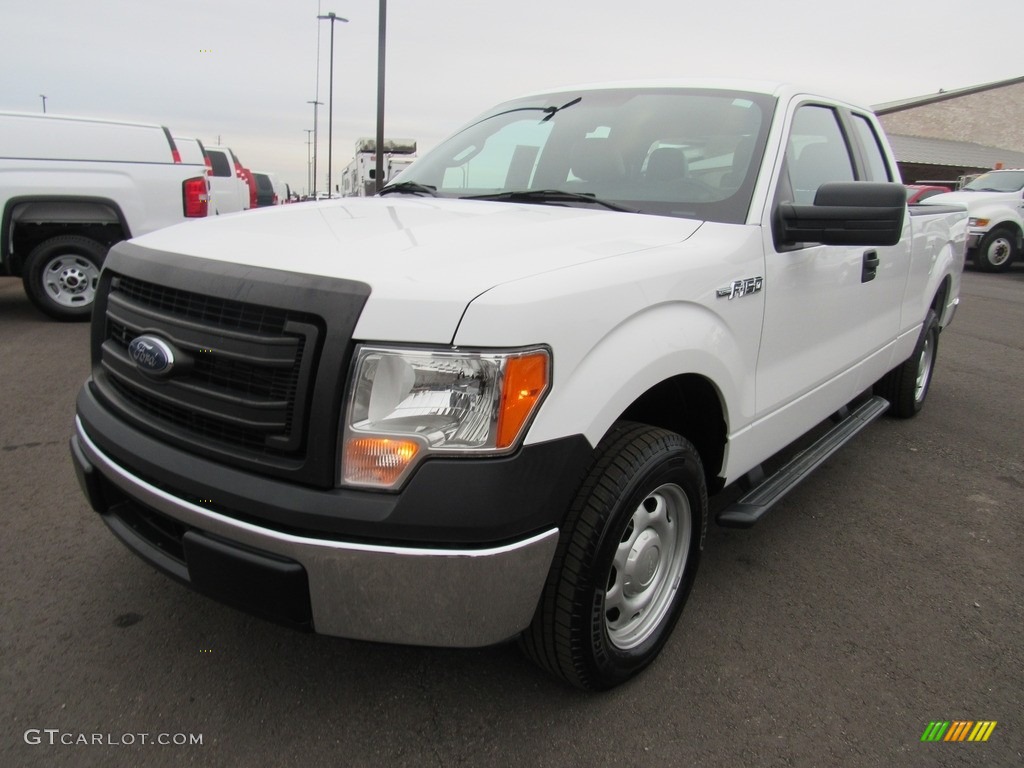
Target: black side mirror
pixel 846 213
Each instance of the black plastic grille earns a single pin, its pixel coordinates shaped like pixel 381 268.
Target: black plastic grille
pixel 223 313
pixel 187 421
pixel 243 373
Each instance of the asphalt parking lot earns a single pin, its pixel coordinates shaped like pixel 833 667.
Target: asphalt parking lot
pixel 885 593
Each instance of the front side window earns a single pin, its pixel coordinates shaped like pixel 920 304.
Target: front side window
pixel 816 152
pixel 664 151
pixel 878 169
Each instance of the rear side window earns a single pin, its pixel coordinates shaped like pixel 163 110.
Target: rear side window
pixel 219 162
pixel 877 169
pixel 816 152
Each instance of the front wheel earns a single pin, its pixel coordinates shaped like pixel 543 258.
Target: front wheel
pixel 906 385
pixel 996 252
pixel 626 560
pixel 61 274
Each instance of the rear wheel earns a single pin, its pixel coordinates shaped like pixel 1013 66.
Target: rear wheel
pixel 906 386
pixel 626 561
pixel 996 252
pixel 61 274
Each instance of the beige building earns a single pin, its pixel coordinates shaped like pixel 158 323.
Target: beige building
pixel 948 134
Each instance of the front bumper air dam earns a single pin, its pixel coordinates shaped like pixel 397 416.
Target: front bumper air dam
pixel 416 596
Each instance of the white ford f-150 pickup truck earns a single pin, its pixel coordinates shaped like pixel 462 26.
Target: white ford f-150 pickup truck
pixel 492 401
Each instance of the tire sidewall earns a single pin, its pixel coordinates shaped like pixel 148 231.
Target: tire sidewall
pixel 612 664
pixel 42 256
pixel 930 333
pixel 982 261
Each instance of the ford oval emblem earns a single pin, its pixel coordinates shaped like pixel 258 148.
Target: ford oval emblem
pixel 151 355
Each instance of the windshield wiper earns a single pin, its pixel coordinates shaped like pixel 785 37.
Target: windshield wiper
pixel 409 188
pixel 551 196
pixel 552 111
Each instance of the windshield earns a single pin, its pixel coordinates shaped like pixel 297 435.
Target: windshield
pixel 668 152
pixel 998 181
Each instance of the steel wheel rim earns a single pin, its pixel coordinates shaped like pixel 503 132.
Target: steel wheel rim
pixel 998 252
pixel 648 566
pixel 70 280
pixel 924 368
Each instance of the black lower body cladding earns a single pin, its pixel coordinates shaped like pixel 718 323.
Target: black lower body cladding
pixel 447 502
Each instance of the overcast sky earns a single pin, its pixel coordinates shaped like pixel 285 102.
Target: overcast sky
pixel 242 71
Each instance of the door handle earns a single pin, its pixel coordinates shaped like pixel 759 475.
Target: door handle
pixel 869 267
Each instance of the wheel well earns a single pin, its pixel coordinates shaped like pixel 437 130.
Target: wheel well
pixel 689 405
pixel 1011 228
pixel 28 222
pixel 941 295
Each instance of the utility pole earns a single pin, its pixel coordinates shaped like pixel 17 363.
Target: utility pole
pixel 315 104
pixel 331 17
pixel 41 96
pixel 309 171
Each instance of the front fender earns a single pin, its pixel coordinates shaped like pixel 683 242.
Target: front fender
pixel 650 347
pixel 938 255
pixel 620 325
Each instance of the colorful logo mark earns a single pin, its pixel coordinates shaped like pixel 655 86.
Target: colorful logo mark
pixel 958 730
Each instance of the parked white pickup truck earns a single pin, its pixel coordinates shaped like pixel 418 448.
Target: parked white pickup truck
pixel 71 187
pixel 995 206
pixel 492 401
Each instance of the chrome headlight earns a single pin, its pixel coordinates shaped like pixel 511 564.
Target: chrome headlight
pixel 405 404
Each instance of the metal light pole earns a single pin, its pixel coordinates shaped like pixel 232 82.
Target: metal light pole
pixel 309 172
pixel 316 146
pixel 41 96
pixel 331 17
pixel 382 24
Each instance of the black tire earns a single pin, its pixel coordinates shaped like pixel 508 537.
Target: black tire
pixel 61 274
pixel 906 386
pixel 997 251
pixel 632 539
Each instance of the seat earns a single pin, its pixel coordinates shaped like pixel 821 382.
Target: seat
pixel 666 165
pixel 597 161
pixel 741 156
pixel 815 165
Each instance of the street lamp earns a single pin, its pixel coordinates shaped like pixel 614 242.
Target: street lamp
pixel 41 96
pixel 315 144
pixel 309 143
pixel 331 17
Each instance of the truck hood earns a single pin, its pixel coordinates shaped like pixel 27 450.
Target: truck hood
pixel 972 199
pixel 424 259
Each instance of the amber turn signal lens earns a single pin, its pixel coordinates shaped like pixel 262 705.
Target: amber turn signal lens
pixel 378 461
pixel 526 381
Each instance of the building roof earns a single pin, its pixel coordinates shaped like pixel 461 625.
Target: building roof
pixel 957 154
pixel 919 101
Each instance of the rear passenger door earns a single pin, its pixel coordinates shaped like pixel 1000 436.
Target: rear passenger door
pixel 831 312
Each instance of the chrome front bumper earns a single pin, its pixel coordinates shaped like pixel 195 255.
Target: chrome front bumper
pixel 417 596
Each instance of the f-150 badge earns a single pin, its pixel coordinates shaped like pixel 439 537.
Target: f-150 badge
pixel 740 288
